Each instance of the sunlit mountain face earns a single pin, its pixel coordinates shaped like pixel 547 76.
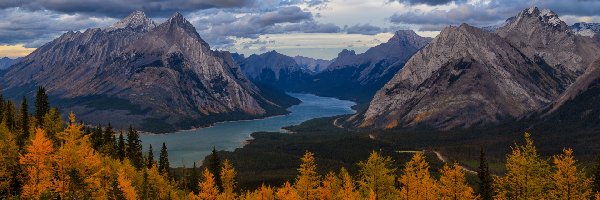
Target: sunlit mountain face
pixel 299 99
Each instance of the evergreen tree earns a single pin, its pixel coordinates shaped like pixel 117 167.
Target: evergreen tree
pixel 134 149
pixel 1 107
pixel 96 138
pixel 307 182
pixel 24 123
pixel 121 148
pixel 194 180
pixel 53 124
pixel 486 190
pixel 596 176
pixel 42 106
pixel 10 170
pixel 214 166
pixel 9 117
pixel 163 161
pixel 150 158
pixel 115 193
pixel 109 146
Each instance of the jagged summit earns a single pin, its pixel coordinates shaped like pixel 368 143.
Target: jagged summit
pixel 586 29
pixel 135 20
pixel 545 16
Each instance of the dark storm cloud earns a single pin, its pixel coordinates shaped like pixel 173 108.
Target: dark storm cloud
pixel 121 8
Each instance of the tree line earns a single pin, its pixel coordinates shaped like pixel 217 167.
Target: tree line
pixel 44 157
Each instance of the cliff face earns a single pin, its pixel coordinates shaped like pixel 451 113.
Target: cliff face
pixel 155 77
pixel 468 76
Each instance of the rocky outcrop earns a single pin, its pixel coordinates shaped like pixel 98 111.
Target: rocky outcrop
pixel 156 77
pixel 469 76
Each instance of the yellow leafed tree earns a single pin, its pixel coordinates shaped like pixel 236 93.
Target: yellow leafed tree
pixel 9 161
pixel 347 190
pixel 208 189
pixel 307 182
pixel 377 177
pixel 228 180
pixel 416 182
pixel 568 182
pixel 330 187
pixel 78 166
pixel 287 192
pixel 527 175
pixel 453 185
pixel 38 165
pixel 126 186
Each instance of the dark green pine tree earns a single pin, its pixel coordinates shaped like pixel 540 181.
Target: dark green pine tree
pixel 115 193
pixel 134 149
pixel 108 142
pixel 150 158
pixel 42 106
pixel 486 190
pixel 24 123
pixel 596 176
pixel 194 179
pixel 96 138
pixel 121 152
pixel 2 104
pixel 148 191
pixel 9 116
pixel 214 166
pixel 163 161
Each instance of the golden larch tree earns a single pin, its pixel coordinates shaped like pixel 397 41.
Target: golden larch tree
pixel 453 185
pixel 126 186
pixel 347 190
pixel 208 189
pixel 38 165
pixel 568 182
pixel 307 182
pixel 527 175
pixel 330 187
pixel 416 182
pixel 228 180
pixel 10 171
pixel 377 177
pixel 287 192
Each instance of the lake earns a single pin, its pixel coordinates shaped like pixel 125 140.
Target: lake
pixel 186 147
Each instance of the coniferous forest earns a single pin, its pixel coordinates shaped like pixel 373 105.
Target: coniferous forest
pixel 47 157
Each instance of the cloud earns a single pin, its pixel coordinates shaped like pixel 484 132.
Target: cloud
pixel 121 8
pixel 425 2
pixel 35 28
pixel 365 29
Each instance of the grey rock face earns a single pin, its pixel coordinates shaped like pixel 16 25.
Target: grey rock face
pixel 156 78
pixel 585 29
pixel 468 76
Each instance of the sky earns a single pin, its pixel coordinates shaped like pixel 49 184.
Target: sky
pixel 313 28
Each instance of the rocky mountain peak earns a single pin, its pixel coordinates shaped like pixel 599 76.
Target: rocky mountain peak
pixel 345 53
pixel 534 15
pixel 408 37
pixel 135 20
pixel 586 29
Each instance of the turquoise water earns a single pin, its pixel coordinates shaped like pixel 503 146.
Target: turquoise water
pixel 186 147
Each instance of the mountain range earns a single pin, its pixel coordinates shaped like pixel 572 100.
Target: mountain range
pixel 156 77
pixel 469 76
pixel 6 62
